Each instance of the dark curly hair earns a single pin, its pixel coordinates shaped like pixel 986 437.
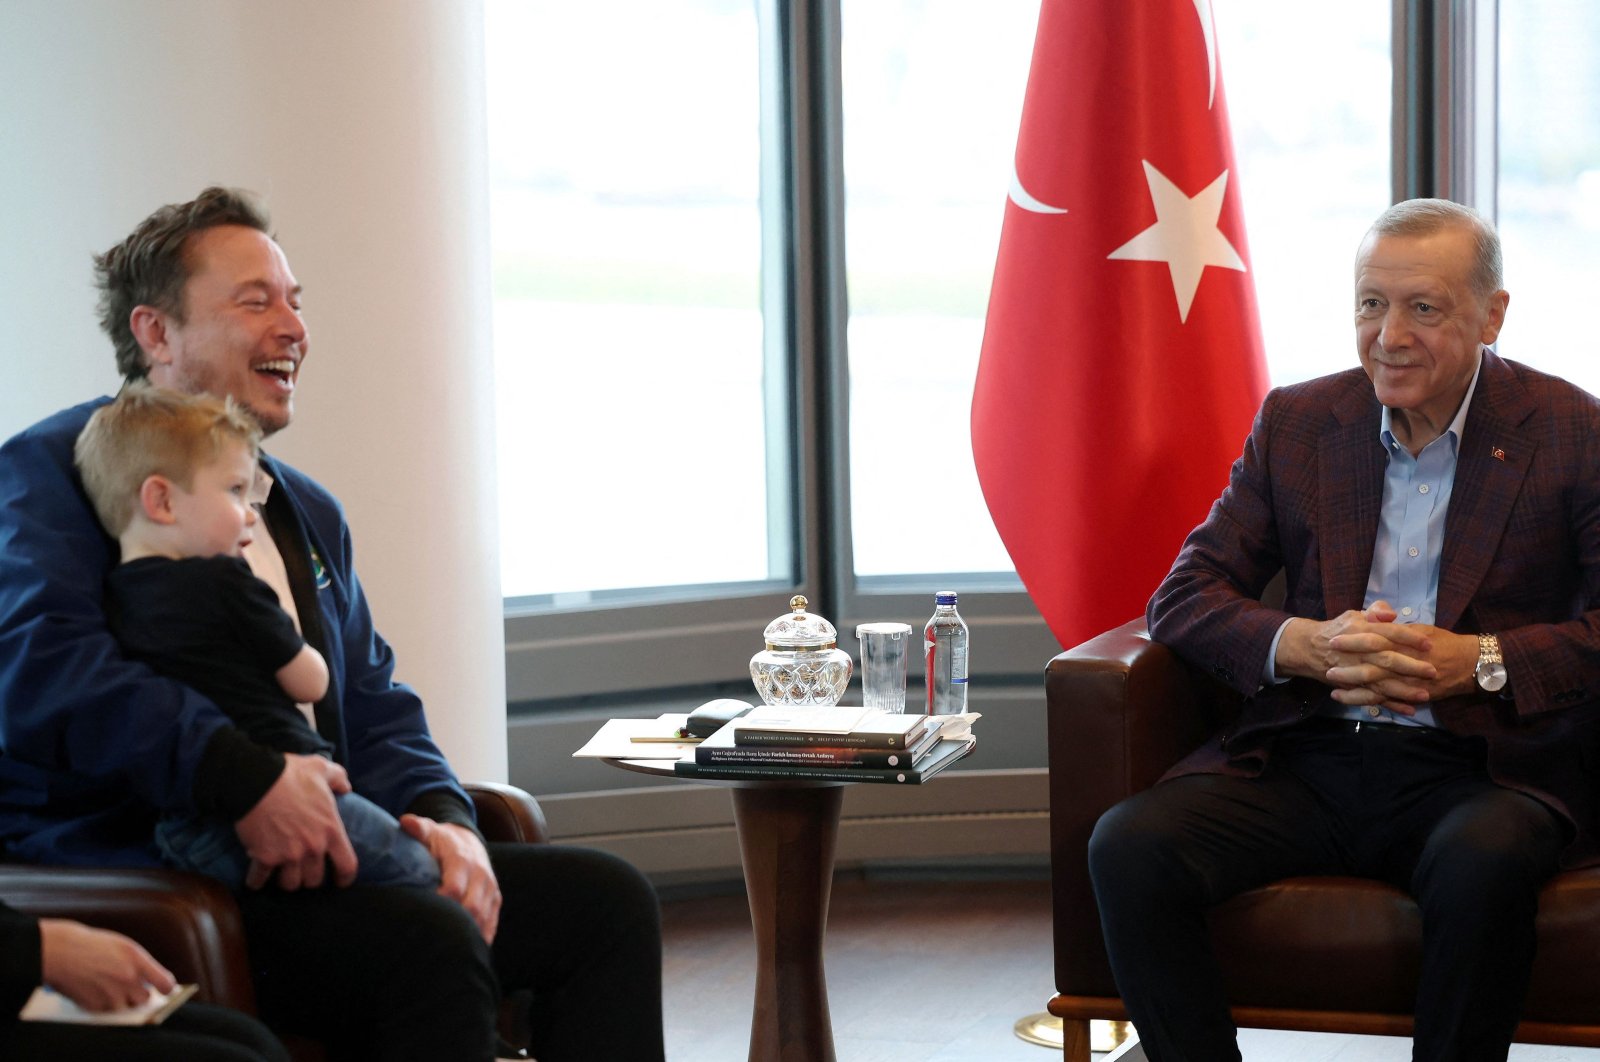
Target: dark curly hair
pixel 150 267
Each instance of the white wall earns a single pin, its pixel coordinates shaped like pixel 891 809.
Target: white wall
pixel 361 121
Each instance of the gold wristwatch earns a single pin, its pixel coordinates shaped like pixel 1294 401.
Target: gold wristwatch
pixel 1491 670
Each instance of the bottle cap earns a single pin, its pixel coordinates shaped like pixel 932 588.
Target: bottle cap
pixel 945 597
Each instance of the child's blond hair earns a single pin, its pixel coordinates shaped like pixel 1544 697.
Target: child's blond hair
pixel 148 431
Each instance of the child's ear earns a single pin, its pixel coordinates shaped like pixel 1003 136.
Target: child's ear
pixel 155 500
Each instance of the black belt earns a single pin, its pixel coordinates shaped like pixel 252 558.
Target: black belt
pixel 1373 726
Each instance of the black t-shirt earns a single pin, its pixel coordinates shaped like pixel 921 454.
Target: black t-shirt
pixel 211 624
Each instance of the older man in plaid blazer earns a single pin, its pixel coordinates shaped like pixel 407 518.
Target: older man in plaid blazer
pixel 1424 708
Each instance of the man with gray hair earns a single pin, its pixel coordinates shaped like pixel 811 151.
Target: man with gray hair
pixel 1423 706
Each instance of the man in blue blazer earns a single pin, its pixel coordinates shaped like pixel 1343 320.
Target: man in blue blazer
pixel 1424 707
pixel 200 298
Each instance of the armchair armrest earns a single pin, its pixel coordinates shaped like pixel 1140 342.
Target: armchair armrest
pixel 1121 710
pixel 506 813
pixel 188 922
pixel 191 923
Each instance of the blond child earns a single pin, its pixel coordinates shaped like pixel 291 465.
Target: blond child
pixel 170 477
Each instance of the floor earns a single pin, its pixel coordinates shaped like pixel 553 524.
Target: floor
pixel 917 971
pixel 925 971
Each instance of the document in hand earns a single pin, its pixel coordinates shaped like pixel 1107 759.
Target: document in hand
pixel 46 1004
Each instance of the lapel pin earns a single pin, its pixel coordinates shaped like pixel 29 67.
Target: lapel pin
pixel 1499 454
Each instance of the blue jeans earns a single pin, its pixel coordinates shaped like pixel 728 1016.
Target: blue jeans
pixel 386 854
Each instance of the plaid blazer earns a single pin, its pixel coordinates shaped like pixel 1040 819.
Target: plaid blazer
pixel 1521 560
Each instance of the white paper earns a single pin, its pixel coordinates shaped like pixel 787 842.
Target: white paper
pixel 835 720
pixel 958 727
pixel 619 739
pixel 46 1004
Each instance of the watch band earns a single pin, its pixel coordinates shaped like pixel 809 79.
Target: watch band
pixel 1491 670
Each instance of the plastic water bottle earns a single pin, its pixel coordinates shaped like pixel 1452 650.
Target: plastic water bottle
pixel 944 644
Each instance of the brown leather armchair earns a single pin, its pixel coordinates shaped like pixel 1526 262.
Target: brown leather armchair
pixel 191 923
pixel 1326 954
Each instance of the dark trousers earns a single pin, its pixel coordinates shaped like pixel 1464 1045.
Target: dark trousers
pixel 1416 810
pixel 195 1032
pixel 399 974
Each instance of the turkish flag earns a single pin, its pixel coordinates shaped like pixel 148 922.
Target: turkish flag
pixel 1122 358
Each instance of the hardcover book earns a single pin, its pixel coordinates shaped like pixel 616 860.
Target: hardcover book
pixel 720 748
pixel 945 752
pixel 875 730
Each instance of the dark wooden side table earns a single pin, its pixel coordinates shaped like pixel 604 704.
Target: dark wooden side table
pixel 787 833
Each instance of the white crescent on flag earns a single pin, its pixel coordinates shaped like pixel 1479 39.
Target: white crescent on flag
pixel 1020 196
pixel 1203 9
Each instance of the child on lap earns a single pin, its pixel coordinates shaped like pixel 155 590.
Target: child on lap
pixel 170 476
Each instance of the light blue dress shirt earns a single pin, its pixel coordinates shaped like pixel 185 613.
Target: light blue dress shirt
pixel 1410 542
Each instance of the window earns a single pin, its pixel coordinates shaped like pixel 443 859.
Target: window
pixel 1311 131
pixel 1549 181
pixel 931 101
pixel 632 350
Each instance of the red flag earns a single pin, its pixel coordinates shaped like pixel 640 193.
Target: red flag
pixel 1122 359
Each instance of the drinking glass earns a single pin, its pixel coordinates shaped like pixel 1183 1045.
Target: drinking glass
pixel 884 653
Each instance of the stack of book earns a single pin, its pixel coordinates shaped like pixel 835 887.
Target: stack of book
pixel 830 744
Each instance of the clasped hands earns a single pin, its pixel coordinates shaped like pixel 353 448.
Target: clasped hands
pixel 295 832
pixel 1369 659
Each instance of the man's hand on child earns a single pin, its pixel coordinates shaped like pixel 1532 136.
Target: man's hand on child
pixel 295 829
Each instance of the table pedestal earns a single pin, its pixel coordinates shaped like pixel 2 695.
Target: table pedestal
pixel 786 842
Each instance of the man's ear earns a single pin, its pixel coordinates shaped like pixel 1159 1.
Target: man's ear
pixel 155 500
pixel 149 326
pixel 1496 306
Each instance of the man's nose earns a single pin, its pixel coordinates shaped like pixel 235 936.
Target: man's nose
pixel 1394 335
pixel 291 325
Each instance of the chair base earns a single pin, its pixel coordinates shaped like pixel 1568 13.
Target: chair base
pixel 1047 1030
pixel 1082 1010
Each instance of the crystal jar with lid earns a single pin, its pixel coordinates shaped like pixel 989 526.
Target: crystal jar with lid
pixel 802 663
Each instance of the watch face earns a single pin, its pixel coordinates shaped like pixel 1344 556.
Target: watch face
pixel 1492 677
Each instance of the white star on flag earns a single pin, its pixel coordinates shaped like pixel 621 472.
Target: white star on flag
pixel 1185 235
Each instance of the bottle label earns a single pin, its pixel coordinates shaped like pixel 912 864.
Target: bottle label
pixel 958 663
